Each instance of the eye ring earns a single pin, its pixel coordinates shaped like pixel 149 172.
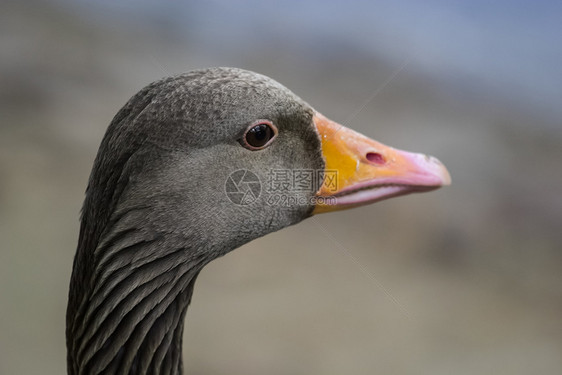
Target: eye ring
pixel 259 135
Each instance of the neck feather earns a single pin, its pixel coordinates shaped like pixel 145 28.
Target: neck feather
pixel 128 299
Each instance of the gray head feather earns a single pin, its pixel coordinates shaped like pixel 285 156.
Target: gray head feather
pixel 156 210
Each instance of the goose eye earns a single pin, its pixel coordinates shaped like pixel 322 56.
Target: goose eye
pixel 259 135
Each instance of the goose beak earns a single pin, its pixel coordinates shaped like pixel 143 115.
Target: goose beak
pixel 360 171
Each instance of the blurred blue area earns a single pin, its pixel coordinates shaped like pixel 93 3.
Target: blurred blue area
pixel 508 48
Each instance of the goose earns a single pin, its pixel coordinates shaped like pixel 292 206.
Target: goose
pixel 186 173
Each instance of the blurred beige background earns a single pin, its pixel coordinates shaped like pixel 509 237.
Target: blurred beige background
pixel 464 280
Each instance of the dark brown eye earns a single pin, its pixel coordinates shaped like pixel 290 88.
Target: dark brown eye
pixel 259 135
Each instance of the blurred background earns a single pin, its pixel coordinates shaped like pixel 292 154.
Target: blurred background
pixel 464 280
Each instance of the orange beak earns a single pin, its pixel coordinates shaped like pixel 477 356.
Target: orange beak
pixel 360 170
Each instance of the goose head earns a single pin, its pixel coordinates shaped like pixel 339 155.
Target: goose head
pixel 192 167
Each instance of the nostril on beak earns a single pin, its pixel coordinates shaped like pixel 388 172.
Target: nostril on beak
pixel 375 158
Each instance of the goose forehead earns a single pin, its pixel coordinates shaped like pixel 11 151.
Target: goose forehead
pixel 223 85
